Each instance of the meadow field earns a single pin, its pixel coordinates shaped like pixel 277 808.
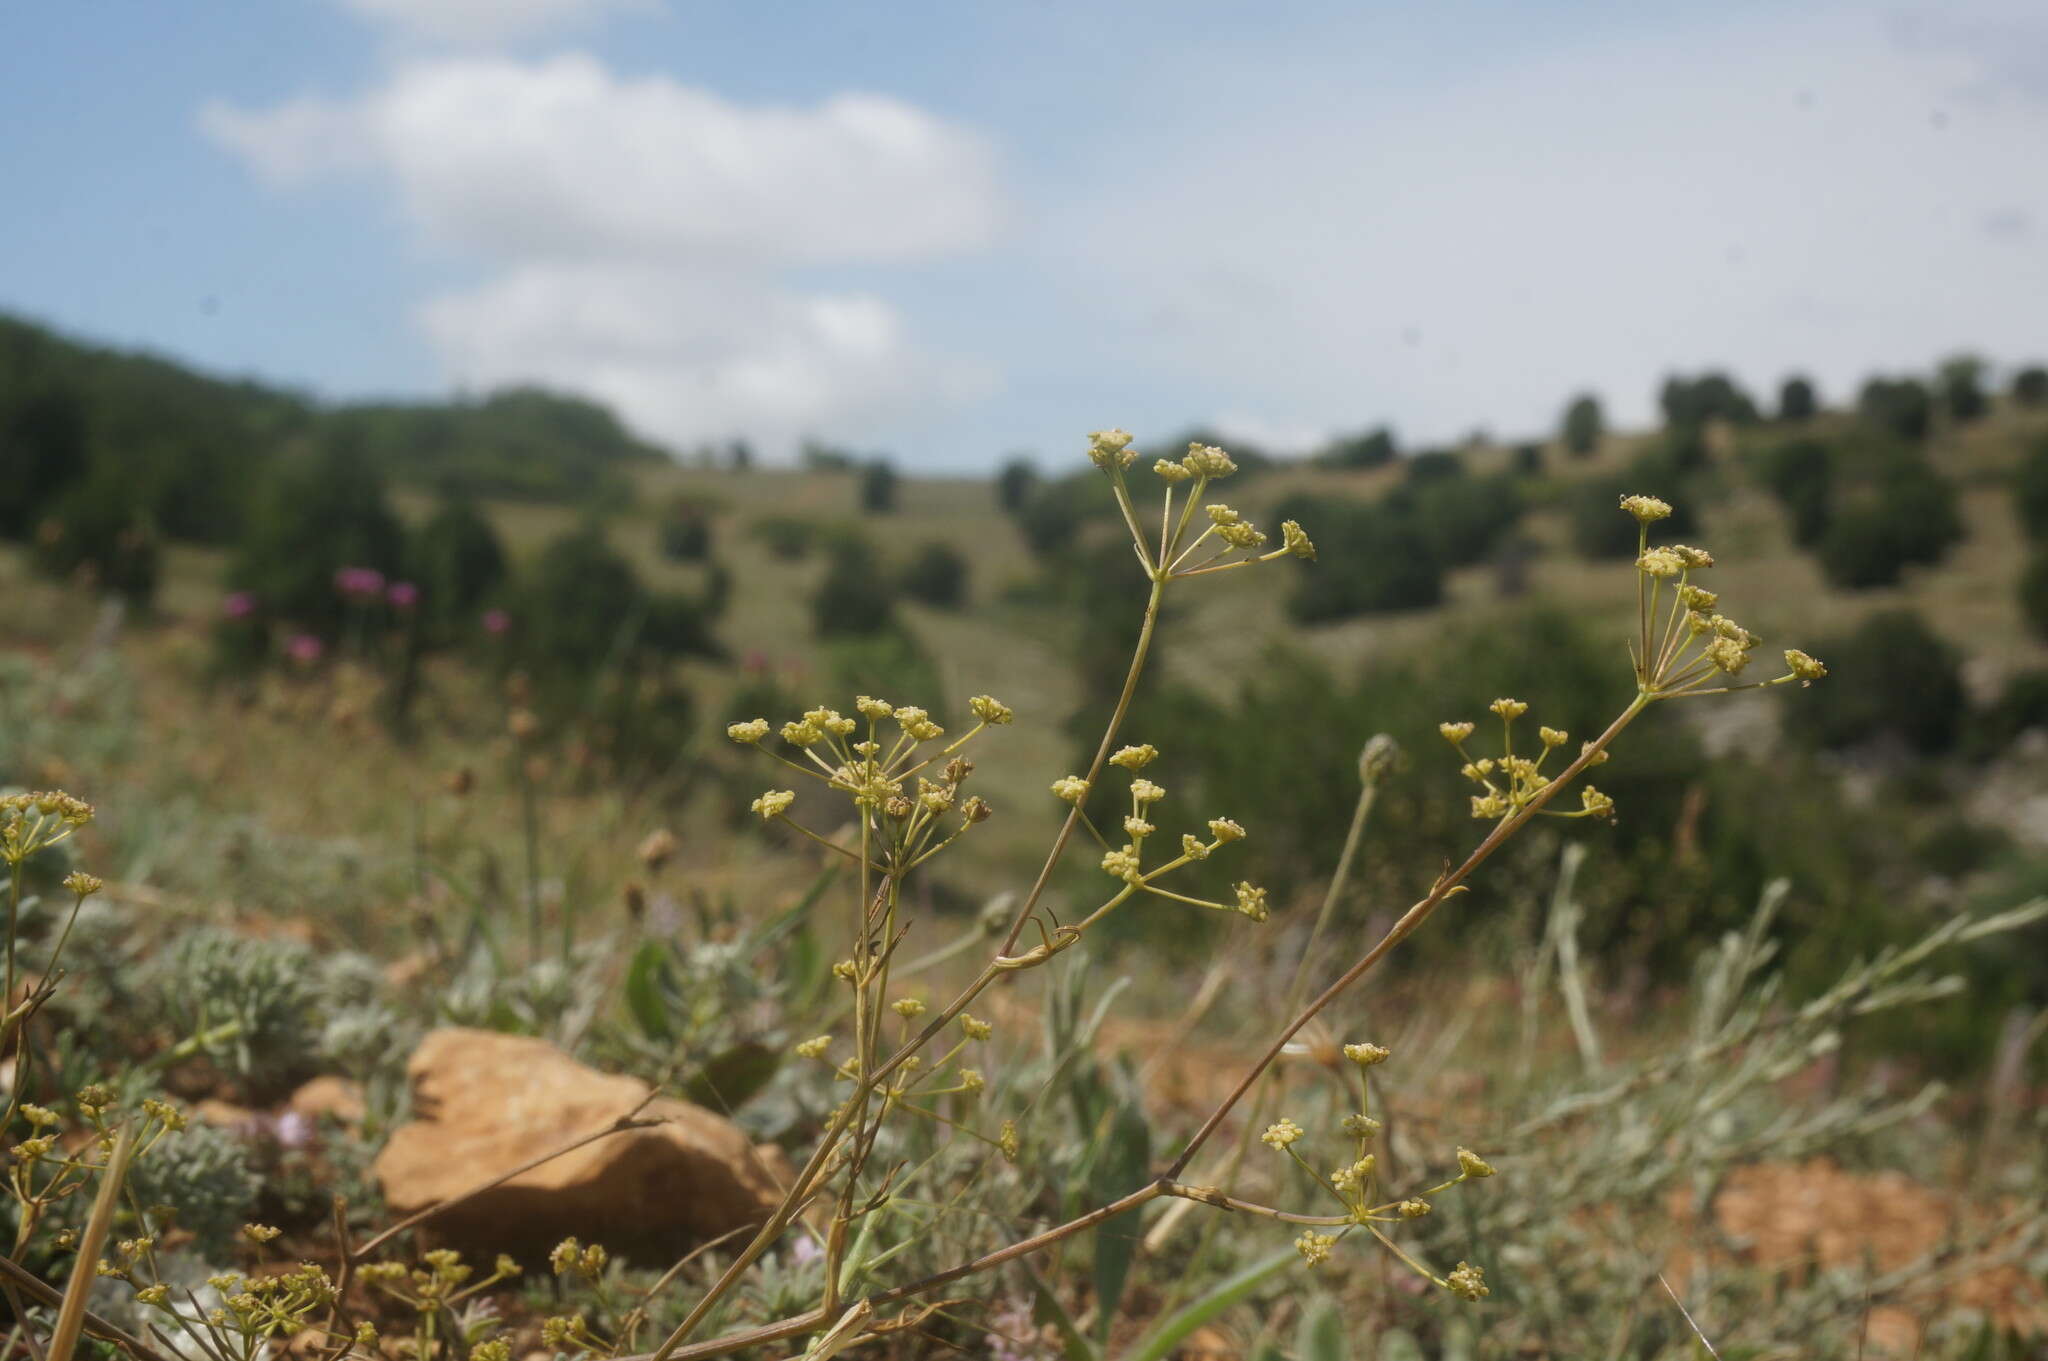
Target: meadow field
pixel 383 912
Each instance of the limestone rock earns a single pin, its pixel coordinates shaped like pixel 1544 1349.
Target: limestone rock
pixel 484 1103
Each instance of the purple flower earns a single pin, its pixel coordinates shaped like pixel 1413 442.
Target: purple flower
pixel 304 649
pixel 238 604
pixel 496 621
pixel 359 583
pixel 403 595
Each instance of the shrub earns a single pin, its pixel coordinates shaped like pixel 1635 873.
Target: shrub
pixel 1434 465
pixel 2021 705
pixel 1598 532
pixel 1709 397
pixel 1900 407
pixel 1907 518
pixel 788 537
pixel 1373 448
pixel 685 533
pixel 458 563
pixel 2030 490
pixel 1796 400
pixel 1891 677
pixel 1800 473
pixel 1462 519
pixel 1015 483
pixel 43 447
pixel 97 530
pixel 878 483
pixel 314 515
pixel 2034 591
pixel 1528 460
pixel 1583 425
pixel 2030 386
pixel 1372 559
pixel 855 598
pixel 936 575
pixel 583 611
pixel 1962 388
pixel 1053 516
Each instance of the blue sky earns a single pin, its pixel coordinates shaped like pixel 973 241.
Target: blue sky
pixel 953 231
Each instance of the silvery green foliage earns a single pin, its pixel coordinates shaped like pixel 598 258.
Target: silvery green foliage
pixel 204 1173
pixel 252 1001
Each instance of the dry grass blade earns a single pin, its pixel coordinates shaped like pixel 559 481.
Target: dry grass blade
pixel 71 1313
pixel 1686 1314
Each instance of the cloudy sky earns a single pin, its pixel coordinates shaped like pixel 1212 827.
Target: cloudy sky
pixel 954 231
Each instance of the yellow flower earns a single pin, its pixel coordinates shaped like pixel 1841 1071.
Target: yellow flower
pixel 1280 1134
pixel 1135 758
pixel 990 710
pixel 1646 508
pixel 774 803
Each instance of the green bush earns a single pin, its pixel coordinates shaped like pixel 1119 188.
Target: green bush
pixel 2034 591
pixel 1015 482
pixel 1708 397
pixel 1600 530
pixel 1054 514
pixel 1372 559
pixel 937 575
pixel 685 532
pixel 314 515
pixel 1373 448
pixel 44 448
pixel 1907 517
pixel 1797 400
pixel 97 530
pixel 878 486
pixel 458 563
pixel 1900 407
pixel 1962 388
pixel 2030 490
pixel 1583 424
pixel 1462 519
pixel 856 597
pixel 1800 473
pixel 582 611
pixel 1892 677
pixel 787 537
pixel 2030 386
pixel 2021 705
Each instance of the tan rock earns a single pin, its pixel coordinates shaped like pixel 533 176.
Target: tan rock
pixel 329 1095
pixel 485 1103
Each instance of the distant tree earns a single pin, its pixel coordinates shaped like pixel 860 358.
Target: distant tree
pixel 43 448
pixel 2030 386
pixel 313 515
pixel 2034 591
pixel 1962 388
pixel 1528 460
pixel 1893 675
pixel 1372 559
pixel 824 458
pixel 1800 473
pixel 739 455
pixel 685 532
pixel 1685 447
pixel 458 563
pixel 1583 425
pixel 1368 449
pixel 1015 483
pixel 1598 527
pixel 1907 517
pixel 937 575
pixel 1901 407
pixel 1708 397
pixel 878 487
pixel 1462 519
pixel 2030 490
pixel 98 530
pixel 1051 519
pixel 1796 400
pixel 856 597
pixel 1433 465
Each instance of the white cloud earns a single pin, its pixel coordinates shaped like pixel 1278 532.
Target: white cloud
pixel 487 21
pixel 642 231
pixel 691 354
pixel 1765 193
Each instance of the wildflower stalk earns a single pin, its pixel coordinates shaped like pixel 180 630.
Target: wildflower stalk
pixel 71 1314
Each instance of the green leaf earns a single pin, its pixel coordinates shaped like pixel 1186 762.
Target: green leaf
pixel 730 1080
pixel 1170 1332
pixel 1321 1336
pixel 647 996
pixel 1126 1158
